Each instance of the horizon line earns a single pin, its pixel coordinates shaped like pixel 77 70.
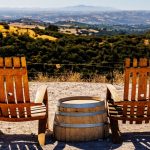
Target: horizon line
pixel 54 8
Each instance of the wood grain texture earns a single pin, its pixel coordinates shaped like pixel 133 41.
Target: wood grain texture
pixel 15 105
pixel 73 117
pixel 16 62
pixel 13 72
pixel 23 62
pixel 10 89
pixel 136 102
pixel 19 89
pixel 1 62
pixel 26 89
pixel 8 62
pixel 2 90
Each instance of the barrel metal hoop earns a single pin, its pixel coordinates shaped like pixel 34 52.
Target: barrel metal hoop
pixel 79 125
pixel 89 105
pixel 80 114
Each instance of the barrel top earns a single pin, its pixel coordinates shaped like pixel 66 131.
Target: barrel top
pixel 80 101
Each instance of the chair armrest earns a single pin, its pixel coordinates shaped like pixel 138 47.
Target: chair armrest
pixel 41 91
pixel 112 94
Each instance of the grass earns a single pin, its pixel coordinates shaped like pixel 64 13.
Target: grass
pixel 21 31
pixel 77 77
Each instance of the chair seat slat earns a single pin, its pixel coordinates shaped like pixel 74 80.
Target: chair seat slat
pixel 5 111
pixel 13 112
pixel 133 103
pixel 21 112
pixel 38 117
pixel 4 105
pixel 143 118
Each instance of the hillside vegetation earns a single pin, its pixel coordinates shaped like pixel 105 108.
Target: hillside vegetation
pixel 20 31
pixel 84 54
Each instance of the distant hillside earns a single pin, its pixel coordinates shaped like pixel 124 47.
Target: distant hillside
pixel 71 23
pixel 84 14
pixel 26 20
pixel 86 8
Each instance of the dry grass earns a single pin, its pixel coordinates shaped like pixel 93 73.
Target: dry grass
pixel 118 77
pixel 51 38
pixel 99 78
pixel 76 77
pixel 146 42
pixel 22 25
pixel 22 31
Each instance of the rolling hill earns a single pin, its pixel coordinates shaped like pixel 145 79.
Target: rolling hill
pixel 20 31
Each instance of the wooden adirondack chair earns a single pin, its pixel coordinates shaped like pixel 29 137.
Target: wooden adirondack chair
pixel 135 106
pixel 15 104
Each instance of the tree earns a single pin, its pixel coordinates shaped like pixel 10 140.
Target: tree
pixel 1 35
pixel 6 26
pixel 52 28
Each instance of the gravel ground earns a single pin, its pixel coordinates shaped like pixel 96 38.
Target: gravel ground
pixel 23 135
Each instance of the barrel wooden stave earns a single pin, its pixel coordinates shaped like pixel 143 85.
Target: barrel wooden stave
pixel 94 116
pixel 75 134
pixel 78 120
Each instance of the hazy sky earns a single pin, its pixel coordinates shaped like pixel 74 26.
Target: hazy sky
pixel 121 4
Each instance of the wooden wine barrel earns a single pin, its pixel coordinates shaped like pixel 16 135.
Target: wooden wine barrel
pixel 80 119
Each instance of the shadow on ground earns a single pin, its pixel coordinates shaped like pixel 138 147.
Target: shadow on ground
pixel 138 140
pixel 19 141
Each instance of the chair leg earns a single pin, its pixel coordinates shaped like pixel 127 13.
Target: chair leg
pixel 41 131
pixel 116 136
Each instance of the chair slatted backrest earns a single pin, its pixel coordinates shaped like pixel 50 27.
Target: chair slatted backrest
pixel 13 85
pixel 137 89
